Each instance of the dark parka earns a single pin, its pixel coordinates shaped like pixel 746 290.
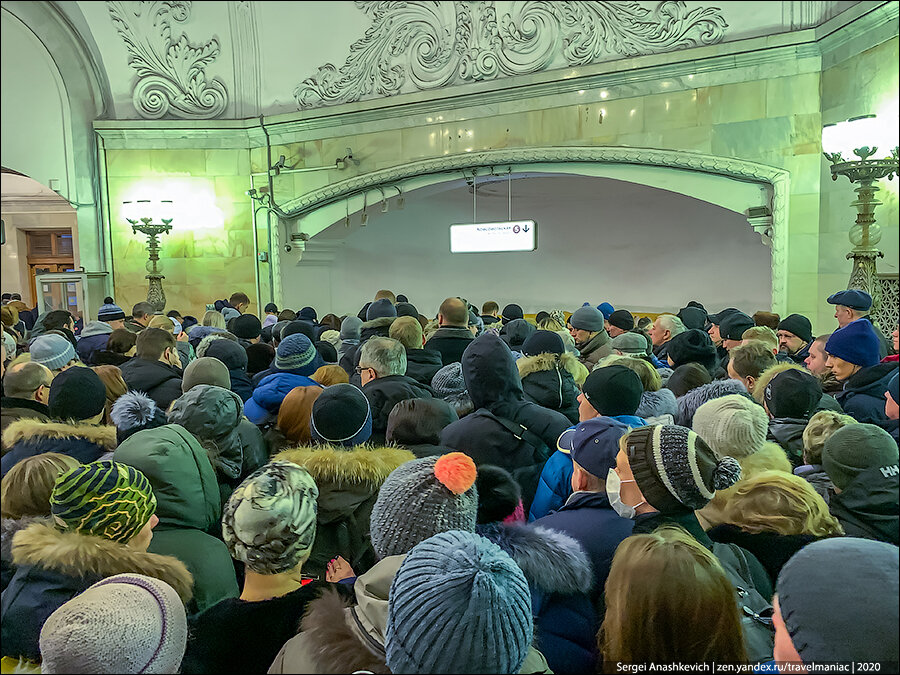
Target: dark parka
pixel 788 433
pixel 12 409
pixel 188 507
pixel 493 383
pixel 386 392
pixel 549 381
pixel 868 507
pixel 451 342
pixel 158 380
pixel 30 436
pixel 422 364
pixel 863 395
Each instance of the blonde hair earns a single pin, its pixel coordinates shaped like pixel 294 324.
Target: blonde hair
pixel 762 334
pixel 25 489
pixel 163 322
pixel 818 430
pixel 649 376
pixel 112 379
pixel 213 318
pixel 407 331
pixel 774 501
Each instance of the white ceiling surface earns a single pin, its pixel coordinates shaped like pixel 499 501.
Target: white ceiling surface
pixel 294 38
pixel 598 239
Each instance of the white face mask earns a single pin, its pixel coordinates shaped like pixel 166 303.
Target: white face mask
pixel 613 488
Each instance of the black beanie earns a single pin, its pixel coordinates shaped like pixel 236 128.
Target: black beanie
pixel 692 317
pixel 613 390
pixel 326 351
pixel 498 494
pixel 543 342
pixel 246 327
pixel 799 325
pixel 77 394
pixel 693 346
pixel 406 309
pixel 733 326
pixel 622 318
pixel 511 312
pixel 259 357
pixel 297 326
pixel 793 393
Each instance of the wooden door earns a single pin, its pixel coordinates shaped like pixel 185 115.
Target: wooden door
pixel 48 251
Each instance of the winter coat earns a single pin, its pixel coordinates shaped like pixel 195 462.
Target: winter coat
pixel 550 381
pixel 560 578
pixel 8 529
pixel 451 342
pixel 199 332
pixel 215 417
pixel 235 359
pixel 815 475
pixel 384 393
pixel 380 327
pixel 516 332
pixel 830 384
pixel 262 626
pixel 422 364
pixel 104 357
pixel 185 353
pixel 788 433
pixel 492 380
pixel 588 518
pixel 262 407
pixel 863 395
pixel 52 567
pixel 93 338
pixel 12 409
pixel 340 637
pixel 27 437
pixel 772 550
pixel 188 506
pixel 158 380
pixel 868 508
pixel 134 326
pixel 771 457
pixel 656 404
pixel 348 480
pixel 594 349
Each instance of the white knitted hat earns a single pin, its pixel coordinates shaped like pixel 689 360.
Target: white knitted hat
pixel 127 623
pixel 732 425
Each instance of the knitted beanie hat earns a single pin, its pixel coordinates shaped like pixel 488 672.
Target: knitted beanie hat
pixel 449 381
pixel 341 415
pixel 53 351
pixel 422 498
pixel 76 394
pixel 105 499
pixel 126 623
pixel 406 309
pixel 855 343
pixel 733 425
pixel 692 317
pixel 606 309
pixel 110 311
pixel 269 522
pixel 613 390
pixel 543 342
pixel 675 469
pixel 458 604
pixel 380 309
pixel 499 495
pixel 247 327
pixel 622 318
pixel 511 312
pixel 134 411
pixel 793 393
pixel 587 318
pixel 859 576
pixel 855 448
pixel 692 346
pixel 350 328
pixel 798 325
pixel 690 402
pixel 734 325
pixel 308 314
pixel 296 352
pixel 206 370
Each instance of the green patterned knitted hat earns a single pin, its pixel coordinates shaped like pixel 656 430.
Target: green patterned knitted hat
pixel 105 499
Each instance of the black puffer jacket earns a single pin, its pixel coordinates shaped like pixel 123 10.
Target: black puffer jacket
pixel 548 380
pixel 158 380
pixel 868 508
pixel 422 364
pixel 493 383
pixel 788 433
pixel 386 392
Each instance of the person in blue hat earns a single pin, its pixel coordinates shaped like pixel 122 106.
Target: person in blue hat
pixel 852 305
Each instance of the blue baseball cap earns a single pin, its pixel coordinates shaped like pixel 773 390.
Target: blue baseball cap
pixel 595 444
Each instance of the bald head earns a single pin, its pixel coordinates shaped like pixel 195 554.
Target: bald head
pixel 453 312
pixel 24 380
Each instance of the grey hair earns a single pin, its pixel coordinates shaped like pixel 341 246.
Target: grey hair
pixel 384 355
pixel 671 323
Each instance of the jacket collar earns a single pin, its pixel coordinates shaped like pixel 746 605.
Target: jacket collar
pixel 27 403
pixel 31 429
pixel 453 332
pixel 363 464
pixel 647 522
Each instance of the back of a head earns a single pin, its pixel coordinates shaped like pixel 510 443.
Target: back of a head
pixel 671 323
pixel 126 623
pixel 121 340
pixel 668 600
pixel 686 377
pixel 733 425
pixel 299 326
pixel 385 356
pixel 762 334
pixel 57 319
pixel 330 374
pixel 407 331
pixel 112 379
pixel 454 312
pixel 858 449
pixel 295 412
pixel 646 372
pixel 142 309
pixel 25 489
pixel 239 298
pixel 819 429
pixel 153 342
pixel 24 379
pixel 259 357
pixel 490 307
pixel 499 495
pixel 767 319
pixel 419 421
pixel 613 390
pixel 458 604
pixel 752 359
pixel 205 370
pixel 213 319
pixel 76 394
pixel 385 295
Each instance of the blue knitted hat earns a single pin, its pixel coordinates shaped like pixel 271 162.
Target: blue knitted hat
pixel 606 309
pixel 297 353
pixel 53 351
pixel 458 604
pixel 381 309
pixel 855 343
pixel 110 311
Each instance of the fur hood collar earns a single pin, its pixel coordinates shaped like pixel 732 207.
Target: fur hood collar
pixel 529 365
pixel 362 465
pixel 379 323
pixel 8 529
pixel 80 555
pixel 30 429
pixel 551 561
pixel 759 389
pixel 657 403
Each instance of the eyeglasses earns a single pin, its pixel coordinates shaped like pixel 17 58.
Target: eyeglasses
pixel 359 370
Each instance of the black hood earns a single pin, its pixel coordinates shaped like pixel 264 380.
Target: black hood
pixel 516 332
pixel 490 372
pixel 869 506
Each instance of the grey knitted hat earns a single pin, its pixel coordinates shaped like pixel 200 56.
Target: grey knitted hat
pixel 449 381
pixel 351 327
pixel 856 448
pixel 732 425
pixel 269 522
pixel 127 623
pixel 53 351
pixel 693 399
pixel 458 604
pixel 859 577
pixel 587 318
pixel 422 498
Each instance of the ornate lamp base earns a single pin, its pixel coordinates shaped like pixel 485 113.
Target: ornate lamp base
pixel 862 277
pixel 156 296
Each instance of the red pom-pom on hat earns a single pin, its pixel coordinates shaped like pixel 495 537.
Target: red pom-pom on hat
pixel 456 472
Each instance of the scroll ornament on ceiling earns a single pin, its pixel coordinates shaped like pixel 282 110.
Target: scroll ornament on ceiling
pixel 436 44
pixel 171 72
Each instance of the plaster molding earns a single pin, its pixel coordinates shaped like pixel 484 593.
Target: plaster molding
pixel 171 72
pixel 245 55
pixel 430 46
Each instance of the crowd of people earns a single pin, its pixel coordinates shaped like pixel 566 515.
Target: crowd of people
pixel 477 492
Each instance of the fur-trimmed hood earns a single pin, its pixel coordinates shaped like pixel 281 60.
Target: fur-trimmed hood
pixel 27 429
pixel 536 364
pixel 80 555
pixel 688 404
pixel 551 561
pixel 382 323
pixel 363 464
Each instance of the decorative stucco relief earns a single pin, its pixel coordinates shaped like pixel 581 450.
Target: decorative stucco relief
pixel 171 72
pixel 435 44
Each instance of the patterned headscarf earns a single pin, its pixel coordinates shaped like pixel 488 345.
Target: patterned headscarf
pixel 105 499
pixel 269 522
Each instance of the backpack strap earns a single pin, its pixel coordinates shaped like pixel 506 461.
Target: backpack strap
pixel 520 431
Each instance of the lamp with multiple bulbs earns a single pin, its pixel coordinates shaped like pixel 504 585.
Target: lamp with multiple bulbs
pixel 152 218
